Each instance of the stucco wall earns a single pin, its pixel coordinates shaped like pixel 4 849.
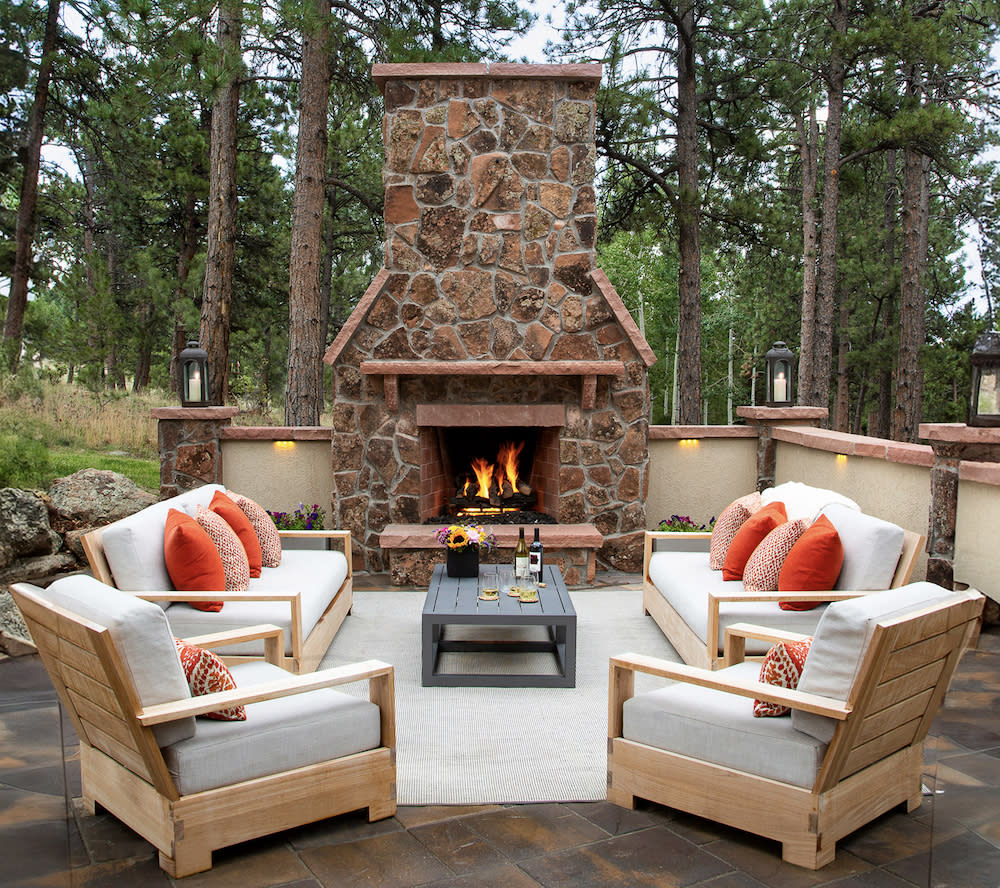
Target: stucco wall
pixel 698 477
pixel 280 474
pixel 975 537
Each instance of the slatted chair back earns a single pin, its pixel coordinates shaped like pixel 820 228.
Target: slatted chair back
pixel 94 687
pixel 900 685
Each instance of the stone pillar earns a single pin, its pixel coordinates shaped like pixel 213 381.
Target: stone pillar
pixel 951 443
pixel 188 438
pixel 764 419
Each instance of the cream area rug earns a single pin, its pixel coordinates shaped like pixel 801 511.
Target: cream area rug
pixel 468 746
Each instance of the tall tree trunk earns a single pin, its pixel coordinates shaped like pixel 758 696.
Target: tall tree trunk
pixel 688 221
pixel 842 402
pixel 222 202
pixel 808 134
pixel 909 375
pixel 303 387
pixel 883 425
pixel 814 388
pixel 28 201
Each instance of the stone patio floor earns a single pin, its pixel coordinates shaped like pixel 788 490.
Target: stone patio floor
pixel 952 840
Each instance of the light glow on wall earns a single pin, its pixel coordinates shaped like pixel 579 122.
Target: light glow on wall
pixel 688 442
pixel 284 445
pixel 841 459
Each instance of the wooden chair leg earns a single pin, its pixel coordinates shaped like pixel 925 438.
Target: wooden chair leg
pixel 188 859
pixel 807 852
pixel 621 798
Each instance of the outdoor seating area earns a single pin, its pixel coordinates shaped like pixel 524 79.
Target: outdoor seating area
pixel 48 837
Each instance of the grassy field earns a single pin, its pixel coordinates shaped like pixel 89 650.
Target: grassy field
pixel 48 430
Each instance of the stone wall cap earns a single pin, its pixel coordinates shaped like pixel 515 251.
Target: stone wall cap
pixel 782 414
pixel 194 413
pixel 277 433
pixel 384 72
pixel 689 432
pixel 958 433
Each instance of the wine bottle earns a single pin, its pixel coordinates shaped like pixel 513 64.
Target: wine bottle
pixel 521 556
pixel 535 552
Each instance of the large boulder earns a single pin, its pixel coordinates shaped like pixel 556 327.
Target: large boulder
pixel 24 526
pixel 94 497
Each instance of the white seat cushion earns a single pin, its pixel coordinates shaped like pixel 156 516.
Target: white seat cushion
pixel 684 579
pixel 278 735
pixel 717 727
pixel 133 546
pixel 840 642
pixel 140 632
pixel 871 549
pixel 317 574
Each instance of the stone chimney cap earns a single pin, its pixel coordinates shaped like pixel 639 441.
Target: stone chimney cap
pixel 494 70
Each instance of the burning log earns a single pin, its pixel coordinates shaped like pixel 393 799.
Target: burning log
pixel 523 489
pixel 506 491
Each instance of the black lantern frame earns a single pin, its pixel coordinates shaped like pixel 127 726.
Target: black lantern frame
pixel 780 375
pixel 193 375
pixel 984 405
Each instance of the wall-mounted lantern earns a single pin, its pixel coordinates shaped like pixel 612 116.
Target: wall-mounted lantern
pixel 984 407
pixel 780 375
pixel 194 376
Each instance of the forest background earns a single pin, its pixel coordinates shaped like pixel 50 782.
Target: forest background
pixel 817 171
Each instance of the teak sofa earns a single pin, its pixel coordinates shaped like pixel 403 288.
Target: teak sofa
pixel 693 605
pixel 308 594
pixel 305 751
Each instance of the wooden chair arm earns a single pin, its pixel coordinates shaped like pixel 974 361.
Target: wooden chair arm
pixel 738 633
pixel 188 597
pixel 284 687
pixel 274 640
pixel 706 678
pixel 822 597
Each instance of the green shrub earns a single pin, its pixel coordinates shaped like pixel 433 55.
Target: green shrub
pixel 23 463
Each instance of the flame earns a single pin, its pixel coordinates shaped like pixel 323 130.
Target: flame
pixel 507 460
pixel 484 475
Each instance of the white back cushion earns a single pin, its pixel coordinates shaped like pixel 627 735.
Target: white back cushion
pixel 871 549
pixel 840 642
pixel 804 501
pixel 133 546
pixel 140 632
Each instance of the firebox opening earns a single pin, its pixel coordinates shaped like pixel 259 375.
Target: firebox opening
pixel 489 470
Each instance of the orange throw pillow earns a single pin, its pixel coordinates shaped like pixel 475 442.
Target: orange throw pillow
pixel 749 536
pixel 193 562
pixel 233 514
pixel 813 564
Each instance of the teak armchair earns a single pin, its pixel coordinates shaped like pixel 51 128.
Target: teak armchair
pixel 304 753
pixel 840 760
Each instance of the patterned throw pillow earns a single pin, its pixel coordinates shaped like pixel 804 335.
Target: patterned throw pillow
pixel 207 674
pixel 764 566
pixel 238 521
pixel 267 533
pixel 234 556
pixel 782 667
pixel 727 524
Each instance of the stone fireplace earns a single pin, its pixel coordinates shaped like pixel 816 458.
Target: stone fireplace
pixel 490 320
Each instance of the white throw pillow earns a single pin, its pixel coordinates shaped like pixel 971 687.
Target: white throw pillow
pixel 871 549
pixel 803 501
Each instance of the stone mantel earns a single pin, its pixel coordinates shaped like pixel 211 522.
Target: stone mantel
pixel 588 370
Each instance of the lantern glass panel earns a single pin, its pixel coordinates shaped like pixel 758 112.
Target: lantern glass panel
pixel 194 388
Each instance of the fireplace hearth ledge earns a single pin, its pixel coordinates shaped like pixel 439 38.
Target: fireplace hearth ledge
pixel 572 546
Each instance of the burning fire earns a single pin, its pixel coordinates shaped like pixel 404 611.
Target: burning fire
pixel 490 476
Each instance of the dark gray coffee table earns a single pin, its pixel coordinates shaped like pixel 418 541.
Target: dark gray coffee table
pixel 453 602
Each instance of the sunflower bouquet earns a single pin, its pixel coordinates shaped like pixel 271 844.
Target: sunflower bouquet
pixel 459 537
